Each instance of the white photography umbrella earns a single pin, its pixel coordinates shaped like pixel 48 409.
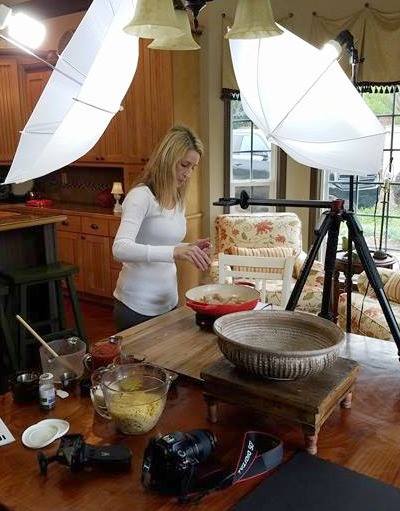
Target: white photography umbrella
pixel 304 102
pixel 83 93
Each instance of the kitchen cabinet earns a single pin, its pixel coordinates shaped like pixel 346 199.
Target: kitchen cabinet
pixel 86 241
pixel 147 112
pixel 10 109
pixel 149 103
pixel 132 134
pixel 132 176
pixel 69 246
pixel 160 91
pixel 111 146
pixel 96 264
pixel 34 82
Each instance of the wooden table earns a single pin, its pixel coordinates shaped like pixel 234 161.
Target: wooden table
pixel 364 438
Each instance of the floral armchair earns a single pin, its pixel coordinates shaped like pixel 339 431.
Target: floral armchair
pixel 270 235
pixel 367 317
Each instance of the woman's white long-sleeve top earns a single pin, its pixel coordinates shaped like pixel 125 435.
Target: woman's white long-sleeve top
pixel 144 244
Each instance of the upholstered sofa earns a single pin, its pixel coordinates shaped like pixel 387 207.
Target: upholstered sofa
pixel 366 314
pixel 269 235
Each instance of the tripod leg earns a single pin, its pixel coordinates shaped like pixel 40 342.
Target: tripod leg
pixel 305 271
pixel 372 274
pixel 330 258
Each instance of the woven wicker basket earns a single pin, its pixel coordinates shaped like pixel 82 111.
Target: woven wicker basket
pixel 281 345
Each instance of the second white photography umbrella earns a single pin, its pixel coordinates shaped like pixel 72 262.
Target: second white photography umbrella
pixel 304 102
pixel 83 94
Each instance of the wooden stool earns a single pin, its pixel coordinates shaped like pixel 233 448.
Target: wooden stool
pixel 7 346
pixel 307 402
pixel 53 274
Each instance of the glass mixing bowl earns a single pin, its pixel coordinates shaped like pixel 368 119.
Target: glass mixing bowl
pixel 135 395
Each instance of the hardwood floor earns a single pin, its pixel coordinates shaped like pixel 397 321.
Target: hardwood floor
pixel 98 319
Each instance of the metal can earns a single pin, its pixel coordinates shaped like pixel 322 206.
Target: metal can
pixel 47 391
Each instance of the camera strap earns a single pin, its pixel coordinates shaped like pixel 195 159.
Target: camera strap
pixel 260 453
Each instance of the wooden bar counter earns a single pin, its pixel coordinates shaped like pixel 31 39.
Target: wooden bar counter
pixel 363 438
pixel 27 239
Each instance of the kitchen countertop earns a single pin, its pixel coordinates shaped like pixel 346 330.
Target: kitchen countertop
pixel 11 219
pixel 65 208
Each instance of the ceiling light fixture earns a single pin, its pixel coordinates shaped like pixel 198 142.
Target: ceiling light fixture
pixel 181 42
pixel 153 19
pixel 253 20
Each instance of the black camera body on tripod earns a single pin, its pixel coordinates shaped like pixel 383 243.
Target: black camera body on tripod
pixel 171 462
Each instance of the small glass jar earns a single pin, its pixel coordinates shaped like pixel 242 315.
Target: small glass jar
pixel 47 391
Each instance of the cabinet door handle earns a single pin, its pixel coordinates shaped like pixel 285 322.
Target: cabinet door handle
pixel 94 226
pixel 65 222
pixel 83 237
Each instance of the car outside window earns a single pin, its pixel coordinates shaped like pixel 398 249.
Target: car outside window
pixel 252 163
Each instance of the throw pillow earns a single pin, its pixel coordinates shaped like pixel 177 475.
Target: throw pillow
pixel 261 252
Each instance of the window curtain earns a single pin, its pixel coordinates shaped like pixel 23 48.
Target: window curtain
pixel 376 35
pixel 230 89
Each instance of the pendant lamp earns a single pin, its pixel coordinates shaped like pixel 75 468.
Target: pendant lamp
pixel 153 19
pixel 181 42
pixel 253 20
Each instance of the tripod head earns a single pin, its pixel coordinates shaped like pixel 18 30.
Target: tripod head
pixel 76 454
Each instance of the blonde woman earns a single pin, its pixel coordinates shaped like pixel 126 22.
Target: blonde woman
pixel 153 225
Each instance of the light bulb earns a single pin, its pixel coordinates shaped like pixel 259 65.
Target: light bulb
pixel 332 49
pixel 26 30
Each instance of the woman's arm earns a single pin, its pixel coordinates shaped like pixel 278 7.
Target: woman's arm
pixel 125 248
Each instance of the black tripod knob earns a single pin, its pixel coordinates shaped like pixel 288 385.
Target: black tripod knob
pixel 43 463
pixel 244 199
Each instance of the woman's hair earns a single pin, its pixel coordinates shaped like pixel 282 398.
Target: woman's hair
pixel 160 171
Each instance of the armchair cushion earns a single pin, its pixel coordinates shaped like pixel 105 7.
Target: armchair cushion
pixel 392 287
pixel 367 317
pixel 363 282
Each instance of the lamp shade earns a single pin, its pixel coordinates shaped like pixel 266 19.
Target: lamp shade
pixel 180 42
pixel 117 189
pixel 253 20
pixel 153 19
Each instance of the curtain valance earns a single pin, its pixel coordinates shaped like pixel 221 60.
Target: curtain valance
pixel 377 38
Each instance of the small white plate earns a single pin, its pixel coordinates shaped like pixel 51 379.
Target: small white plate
pixel 61 425
pixel 44 433
pixel 37 436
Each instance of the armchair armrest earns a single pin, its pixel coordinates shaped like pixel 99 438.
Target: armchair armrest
pixel 363 282
pixel 316 276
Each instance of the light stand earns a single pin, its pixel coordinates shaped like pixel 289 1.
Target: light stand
pixel 345 39
pixel 381 254
pixel 330 226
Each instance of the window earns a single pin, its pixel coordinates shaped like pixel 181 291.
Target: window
pixel 368 189
pixel 251 160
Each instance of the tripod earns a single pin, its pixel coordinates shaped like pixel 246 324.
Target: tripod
pixel 330 226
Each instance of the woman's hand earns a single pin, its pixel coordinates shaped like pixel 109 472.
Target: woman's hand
pixel 204 244
pixel 194 254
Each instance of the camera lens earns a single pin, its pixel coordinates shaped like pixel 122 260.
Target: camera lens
pixel 203 443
